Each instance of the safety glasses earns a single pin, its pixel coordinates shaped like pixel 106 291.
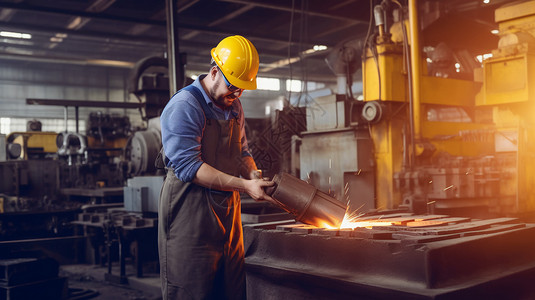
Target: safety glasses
pixel 230 87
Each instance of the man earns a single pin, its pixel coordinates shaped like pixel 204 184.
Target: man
pixel 200 237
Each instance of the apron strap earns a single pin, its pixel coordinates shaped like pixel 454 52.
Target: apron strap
pixel 161 160
pixel 200 98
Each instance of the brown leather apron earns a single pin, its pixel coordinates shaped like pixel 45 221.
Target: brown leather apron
pixel 200 238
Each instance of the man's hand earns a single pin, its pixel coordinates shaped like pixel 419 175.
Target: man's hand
pixel 210 177
pixel 255 189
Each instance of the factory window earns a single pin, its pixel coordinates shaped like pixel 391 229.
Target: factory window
pixel 297 85
pixel 9 125
pixel 58 125
pixel 293 85
pixel 5 127
pixel 270 84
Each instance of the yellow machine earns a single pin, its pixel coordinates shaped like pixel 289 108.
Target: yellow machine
pixel 453 144
pixel 34 142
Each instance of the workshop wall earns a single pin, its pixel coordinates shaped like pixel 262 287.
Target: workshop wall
pixel 20 80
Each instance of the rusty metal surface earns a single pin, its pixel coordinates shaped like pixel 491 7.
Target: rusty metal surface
pixel 410 257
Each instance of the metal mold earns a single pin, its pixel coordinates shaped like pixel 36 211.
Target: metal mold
pixel 307 203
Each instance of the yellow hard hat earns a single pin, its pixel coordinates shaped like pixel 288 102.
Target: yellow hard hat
pixel 237 58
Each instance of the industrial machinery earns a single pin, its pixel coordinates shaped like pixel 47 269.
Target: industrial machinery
pixel 435 166
pixel 466 143
pixel 426 135
pixel 94 191
pixel 128 230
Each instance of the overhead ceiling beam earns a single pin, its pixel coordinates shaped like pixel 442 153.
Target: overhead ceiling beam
pixel 98 15
pixel 205 29
pixel 193 67
pixel 6 14
pixel 289 9
pixel 93 34
pixel 183 6
pixel 338 5
pixel 138 29
pixel 66 54
pixel 121 52
pixel 97 6
pixel 107 35
pixel 70 61
pixel 224 19
pixel 87 14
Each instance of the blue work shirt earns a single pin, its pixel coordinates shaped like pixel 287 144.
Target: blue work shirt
pixel 183 123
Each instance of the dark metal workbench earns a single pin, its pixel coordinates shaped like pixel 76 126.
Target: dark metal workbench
pixel 417 257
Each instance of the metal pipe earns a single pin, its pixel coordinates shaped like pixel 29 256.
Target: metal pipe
pixel 66 117
pixel 77 118
pixel 416 70
pixel 341 84
pixel 79 103
pixel 308 204
pixel 407 135
pixel 176 69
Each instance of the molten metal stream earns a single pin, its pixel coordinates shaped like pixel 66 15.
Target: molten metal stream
pixel 367 224
pixel 351 221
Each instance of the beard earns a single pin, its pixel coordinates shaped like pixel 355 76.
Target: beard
pixel 221 100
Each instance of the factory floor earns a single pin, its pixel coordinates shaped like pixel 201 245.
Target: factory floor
pixel 88 282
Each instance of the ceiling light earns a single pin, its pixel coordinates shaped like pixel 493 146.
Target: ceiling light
pixel 486 1
pixel 16 42
pixel 18 51
pixel 111 63
pixel 495 31
pixel 16 35
pixel 74 23
pixel 286 61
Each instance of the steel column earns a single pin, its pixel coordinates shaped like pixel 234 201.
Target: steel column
pixel 415 54
pixel 176 69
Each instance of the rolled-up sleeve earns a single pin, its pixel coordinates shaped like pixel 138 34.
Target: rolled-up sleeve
pixel 182 123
